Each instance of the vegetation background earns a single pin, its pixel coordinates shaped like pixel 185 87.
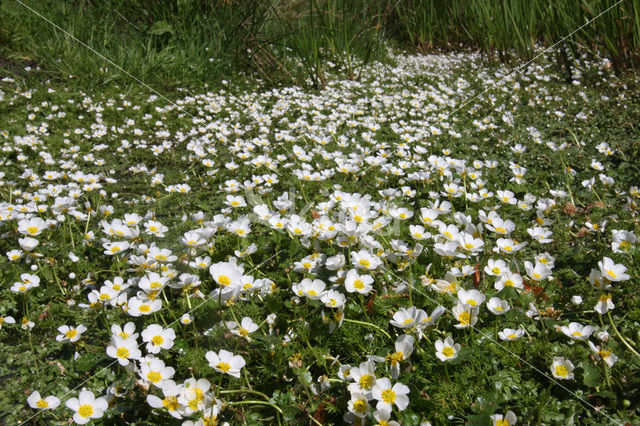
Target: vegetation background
pixel 290 41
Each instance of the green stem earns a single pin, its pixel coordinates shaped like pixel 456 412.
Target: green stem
pixel 622 339
pixel 275 407
pixel 33 354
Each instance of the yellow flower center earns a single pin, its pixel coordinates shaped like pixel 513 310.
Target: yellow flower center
pixel 209 421
pixel 448 351
pixel 42 404
pixel 171 403
pixel 502 422
pixel 312 292
pixel 243 332
pixel 464 318
pixel 512 336
pixel 561 371
pixel 144 308
pixel 365 263
pixel 388 396
pixel 71 333
pixel 358 284
pixel 604 353
pixel 154 376
pixel 471 302
pixel 612 274
pixel 395 357
pixel 495 270
pixel 33 230
pixel 224 280
pixel 366 381
pixel 157 340
pixel 224 366
pixel 360 406
pixel 85 410
pixel 122 352
pixel 508 283
pixel 501 230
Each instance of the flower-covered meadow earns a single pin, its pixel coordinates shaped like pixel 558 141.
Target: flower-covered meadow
pixel 445 241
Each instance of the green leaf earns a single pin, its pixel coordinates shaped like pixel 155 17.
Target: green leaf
pixel 591 375
pixel 161 28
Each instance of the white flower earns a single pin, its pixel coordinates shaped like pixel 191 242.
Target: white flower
pixel 126 332
pixel 186 319
pixel 310 289
pixel 364 378
pixel 562 368
pixel 612 271
pixel 508 419
pixel 48 403
pixel 247 326
pixel 72 334
pixel 496 267
pixel 509 334
pixel 447 350
pixel 604 304
pixel 387 396
pixel 225 362
pixel 472 298
pixel 138 306
pixel 158 338
pixel 577 331
pixel 333 299
pixel 123 350
pixel 408 317
pixel 606 355
pixel 498 306
pixel 365 260
pixel 225 274
pixel 87 407
pixel 154 370
pixel 170 401
pixel 538 272
pixel 403 350
pixel 32 227
pixel 509 279
pixel 466 315
pixel 355 283
pixel 358 404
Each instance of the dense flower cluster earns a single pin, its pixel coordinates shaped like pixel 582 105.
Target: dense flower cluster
pixel 377 191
